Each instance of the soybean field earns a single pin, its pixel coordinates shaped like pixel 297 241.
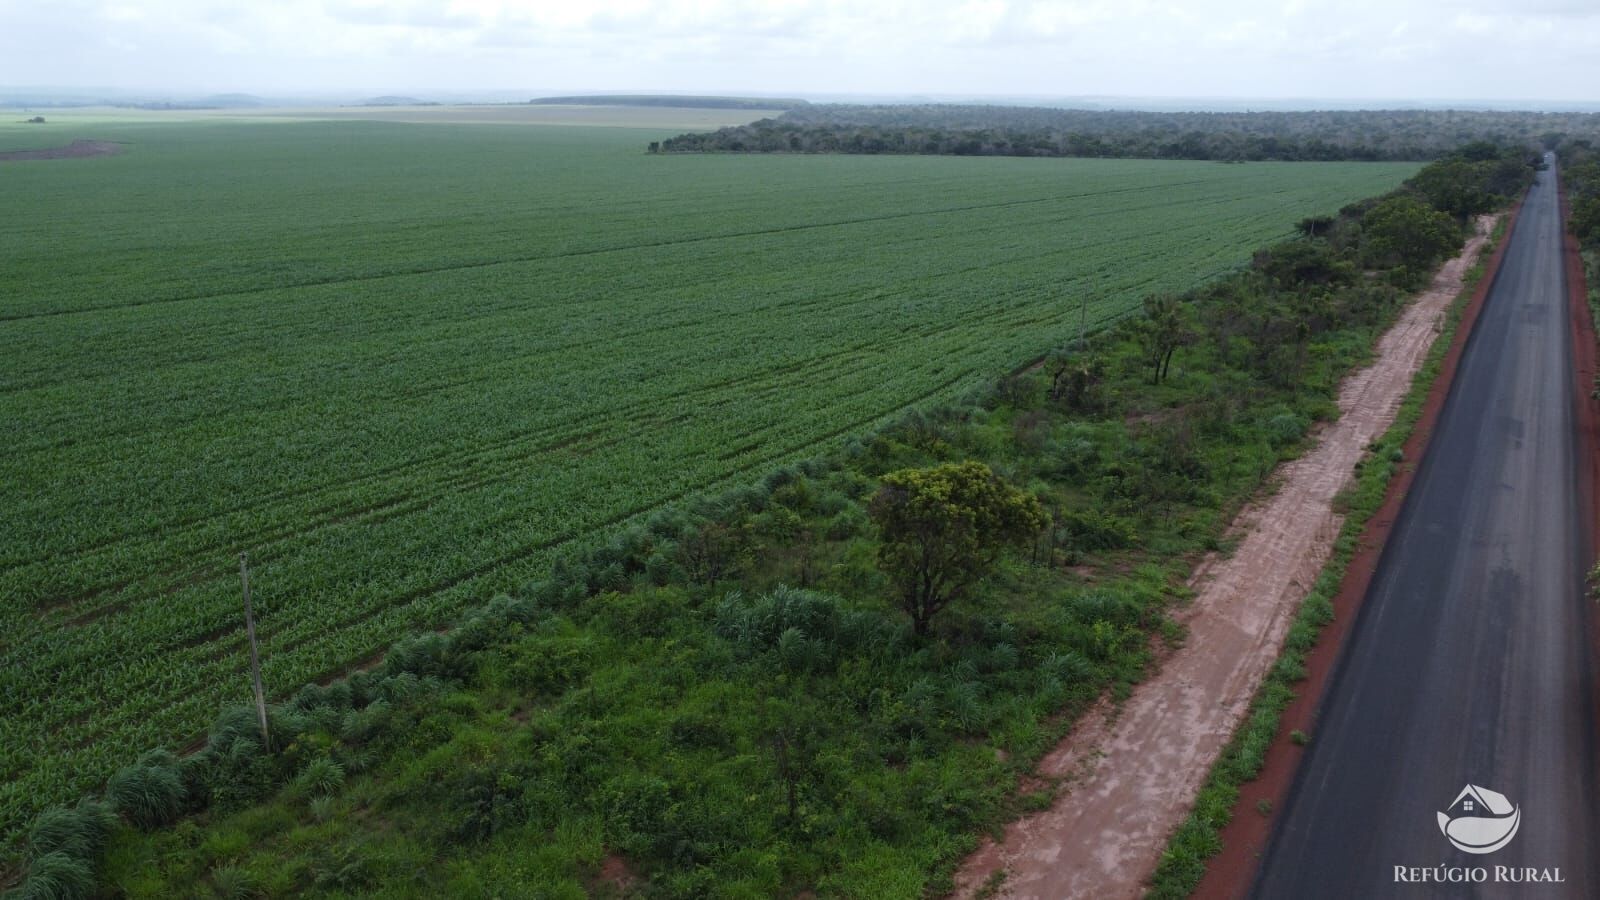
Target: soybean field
pixel 405 365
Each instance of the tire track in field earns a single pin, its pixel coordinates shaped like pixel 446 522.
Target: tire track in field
pixel 627 412
pixel 471 479
pixel 206 664
pixel 595 251
pixel 264 545
pixel 578 425
pixel 336 514
pixel 39 382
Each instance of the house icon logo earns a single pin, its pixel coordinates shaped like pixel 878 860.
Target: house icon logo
pixel 1480 820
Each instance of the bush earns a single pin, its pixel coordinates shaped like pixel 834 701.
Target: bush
pixel 150 792
pixel 58 876
pixel 1096 529
pixel 321 777
pixel 234 883
pixel 783 613
pixel 1286 428
pixel 850 522
pixel 80 831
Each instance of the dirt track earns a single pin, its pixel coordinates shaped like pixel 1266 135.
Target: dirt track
pixel 1135 771
pixel 74 150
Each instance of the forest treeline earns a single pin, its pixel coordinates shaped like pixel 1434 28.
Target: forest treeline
pixel 673 100
pixel 1036 131
pixel 766 692
pixel 1580 172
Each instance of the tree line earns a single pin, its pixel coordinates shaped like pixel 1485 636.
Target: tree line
pixel 1326 135
pixel 1580 171
pixel 677 101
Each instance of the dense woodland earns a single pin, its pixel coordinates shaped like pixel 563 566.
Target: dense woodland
pixel 677 101
pixel 1580 173
pixel 1038 131
pixel 834 679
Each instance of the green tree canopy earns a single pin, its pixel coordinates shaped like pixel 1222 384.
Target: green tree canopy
pixel 1165 327
pixel 1586 219
pixel 1457 186
pixel 1404 231
pixel 943 529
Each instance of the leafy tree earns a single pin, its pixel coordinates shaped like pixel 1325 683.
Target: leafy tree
pixel 1165 327
pixel 1316 226
pixel 1586 219
pixel 1299 263
pixel 944 528
pixel 1075 381
pixel 1404 231
pixel 1457 187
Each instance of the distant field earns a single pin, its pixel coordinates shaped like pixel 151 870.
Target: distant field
pixel 402 365
pixel 668 118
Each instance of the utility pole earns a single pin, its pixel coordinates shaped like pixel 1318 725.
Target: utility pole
pixel 255 656
pixel 1083 323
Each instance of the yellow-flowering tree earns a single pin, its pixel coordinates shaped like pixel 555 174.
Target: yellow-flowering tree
pixel 944 528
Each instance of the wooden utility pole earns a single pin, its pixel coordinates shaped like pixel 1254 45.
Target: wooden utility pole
pixel 1083 322
pixel 255 656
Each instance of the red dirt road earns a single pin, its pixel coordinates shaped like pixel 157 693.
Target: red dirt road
pixel 1134 772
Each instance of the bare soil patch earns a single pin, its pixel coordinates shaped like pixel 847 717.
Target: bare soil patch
pixel 1132 773
pixel 74 150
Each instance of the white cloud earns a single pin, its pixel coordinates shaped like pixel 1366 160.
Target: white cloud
pixel 1253 48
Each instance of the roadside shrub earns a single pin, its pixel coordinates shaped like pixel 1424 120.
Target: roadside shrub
pixel 321 777
pixel 1093 528
pixel 635 806
pixel 1074 454
pixel 80 831
pixel 234 883
pixel 428 654
pixel 830 502
pixel 57 876
pixel 850 522
pixel 1286 428
pixel 233 724
pixel 785 613
pixel 149 793
pixel 662 567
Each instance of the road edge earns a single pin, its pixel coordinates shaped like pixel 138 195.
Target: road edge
pixel 1232 871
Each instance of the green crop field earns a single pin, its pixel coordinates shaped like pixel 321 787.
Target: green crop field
pixel 403 365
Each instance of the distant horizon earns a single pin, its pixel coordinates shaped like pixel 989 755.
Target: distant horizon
pixel 92 95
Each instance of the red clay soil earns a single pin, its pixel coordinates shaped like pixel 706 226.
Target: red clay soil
pixel 1230 873
pixel 74 150
pixel 1132 771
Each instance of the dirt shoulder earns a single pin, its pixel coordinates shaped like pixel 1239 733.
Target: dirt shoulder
pixel 1134 772
pixel 74 150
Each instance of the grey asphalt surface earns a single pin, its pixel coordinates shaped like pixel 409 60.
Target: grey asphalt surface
pixel 1469 661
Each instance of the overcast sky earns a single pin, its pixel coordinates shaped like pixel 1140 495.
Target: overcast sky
pixel 1434 49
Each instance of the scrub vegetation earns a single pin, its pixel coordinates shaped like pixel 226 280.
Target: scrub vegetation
pixel 728 697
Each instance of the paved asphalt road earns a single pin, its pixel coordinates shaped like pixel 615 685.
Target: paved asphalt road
pixel 1468 663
